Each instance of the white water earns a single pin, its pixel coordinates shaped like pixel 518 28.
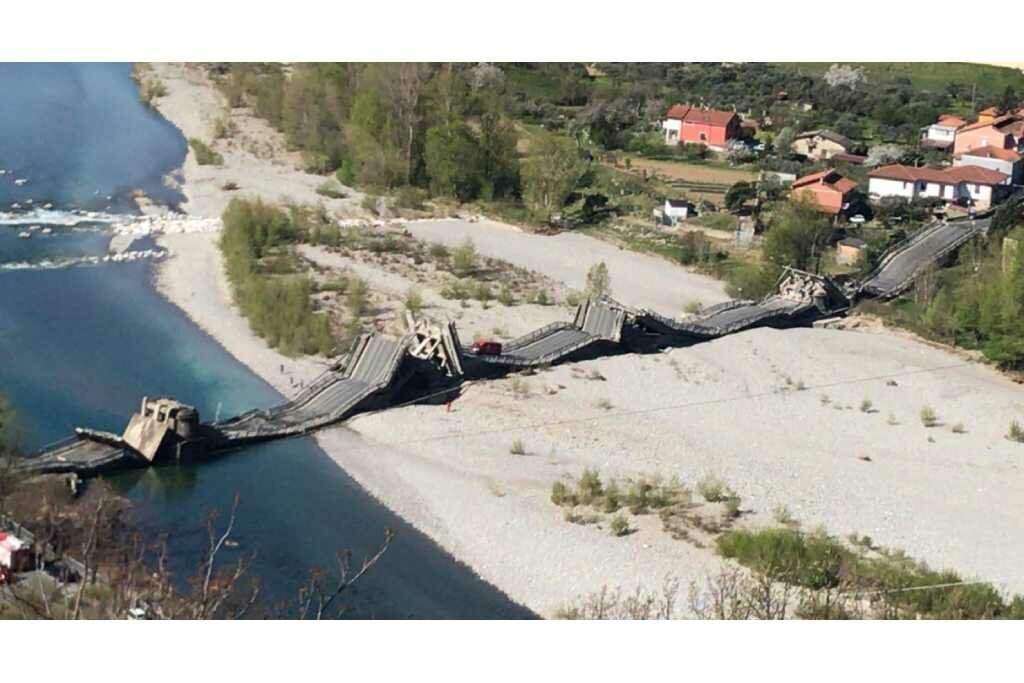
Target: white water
pixel 120 224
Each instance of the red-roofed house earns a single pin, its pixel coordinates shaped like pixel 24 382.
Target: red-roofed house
pixel 1006 132
pixel 942 133
pixel 996 158
pixel 831 190
pixel 972 185
pixel 708 127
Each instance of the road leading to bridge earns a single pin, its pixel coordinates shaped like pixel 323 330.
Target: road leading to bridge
pixel 900 265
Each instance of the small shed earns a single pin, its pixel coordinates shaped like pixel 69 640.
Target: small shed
pixel 849 250
pixel 676 210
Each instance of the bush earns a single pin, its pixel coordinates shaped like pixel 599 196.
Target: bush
pixel 505 297
pixel 866 406
pixel 561 495
pixel 358 298
pixel 928 417
pixel 464 259
pixel 619 525
pixel 482 291
pixel 224 127
pixel 517 448
pixel 540 297
pixel 599 282
pixel 589 486
pixel 1016 432
pixel 205 156
pixel 438 251
pixel 330 190
pixel 712 489
pixel 411 198
pixel 370 203
pixel 413 300
pixel 812 561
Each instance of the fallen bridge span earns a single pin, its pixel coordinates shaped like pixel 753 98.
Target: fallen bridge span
pixel 377 368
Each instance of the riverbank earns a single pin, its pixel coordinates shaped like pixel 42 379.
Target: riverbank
pixel 822 422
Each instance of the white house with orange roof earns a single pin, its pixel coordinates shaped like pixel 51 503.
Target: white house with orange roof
pixel 1006 161
pixel 972 185
pixel 942 133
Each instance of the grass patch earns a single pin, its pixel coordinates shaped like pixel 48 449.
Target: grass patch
pixel 818 561
pixel 205 155
pixel 928 417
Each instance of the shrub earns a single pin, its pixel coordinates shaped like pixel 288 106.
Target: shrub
pixel 205 156
pixel 812 561
pixel 619 525
pixel 589 486
pixel 561 495
pixel 409 197
pixel 959 428
pixel 693 307
pixel 599 282
pixel 438 251
pixel 712 489
pixel 603 404
pixel 370 203
pixel 505 297
pixel 928 417
pixel 330 190
pixel 1016 432
pixel 517 448
pixel 482 291
pixel 358 297
pixel 732 505
pixel 866 406
pixel 540 297
pixel 413 300
pixel 573 298
pixel 464 259
pixel 224 127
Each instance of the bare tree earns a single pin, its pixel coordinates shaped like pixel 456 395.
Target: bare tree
pixel 404 86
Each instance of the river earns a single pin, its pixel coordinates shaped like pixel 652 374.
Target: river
pixel 81 346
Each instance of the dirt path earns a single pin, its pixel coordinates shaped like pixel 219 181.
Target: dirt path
pixel 637 279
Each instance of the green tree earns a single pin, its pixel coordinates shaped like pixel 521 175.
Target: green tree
pixel 1010 100
pixel 551 175
pixel 452 159
pixel 797 236
pixel 739 194
pixel 499 159
pixel 784 141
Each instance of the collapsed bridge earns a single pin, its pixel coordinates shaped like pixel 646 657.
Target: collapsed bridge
pixel 430 361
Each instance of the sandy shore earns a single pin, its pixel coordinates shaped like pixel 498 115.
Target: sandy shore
pixel 728 408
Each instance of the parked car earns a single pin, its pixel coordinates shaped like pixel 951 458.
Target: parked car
pixel 486 348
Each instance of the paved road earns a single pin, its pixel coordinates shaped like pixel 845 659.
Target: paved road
pixel 637 279
pixel 906 264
